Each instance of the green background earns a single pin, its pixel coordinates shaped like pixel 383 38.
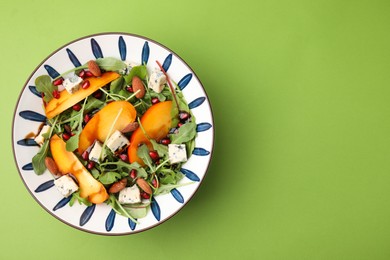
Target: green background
pixel 300 96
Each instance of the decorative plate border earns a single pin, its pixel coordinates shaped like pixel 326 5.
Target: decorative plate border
pixel 101 219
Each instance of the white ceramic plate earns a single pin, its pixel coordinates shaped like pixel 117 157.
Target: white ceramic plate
pixel 29 115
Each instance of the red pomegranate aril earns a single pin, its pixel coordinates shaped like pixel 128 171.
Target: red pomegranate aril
pixel 130 89
pixel 88 74
pixel 124 157
pixel 153 155
pixel 184 115
pixel 98 94
pixel 66 136
pixel 179 124
pixel 87 117
pixel 165 141
pixel 56 94
pixel 76 107
pixel 85 84
pixel 133 173
pixel 85 155
pixel 144 195
pixel 155 183
pixel 90 165
pixel 58 82
pixel 82 74
pixel 155 101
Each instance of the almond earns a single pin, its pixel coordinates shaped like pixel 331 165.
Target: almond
pixel 138 86
pixel 118 186
pixel 144 186
pixel 130 127
pixel 51 166
pixel 94 68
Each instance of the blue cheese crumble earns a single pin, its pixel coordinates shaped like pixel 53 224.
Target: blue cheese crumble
pixel 177 153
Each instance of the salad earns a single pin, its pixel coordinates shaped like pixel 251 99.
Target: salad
pixel 114 134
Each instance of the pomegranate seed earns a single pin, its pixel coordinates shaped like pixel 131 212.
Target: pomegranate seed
pixel 179 124
pixel 153 155
pixel 87 117
pixel 82 74
pixel 183 116
pixel 85 155
pixel 58 82
pixel 124 157
pixel 155 101
pixel 155 183
pixel 76 107
pixel 130 89
pixel 165 141
pixel 88 73
pixel 85 84
pixel 56 94
pixel 67 129
pixel 90 165
pixel 133 173
pixel 66 136
pixel 98 94
pixel 144 195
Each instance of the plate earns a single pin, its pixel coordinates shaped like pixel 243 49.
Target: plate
pixel 29 115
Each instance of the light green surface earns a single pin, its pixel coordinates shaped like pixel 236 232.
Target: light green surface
pixel 300 94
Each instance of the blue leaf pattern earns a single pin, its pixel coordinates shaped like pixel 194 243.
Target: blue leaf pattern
pixel 132 224
pixel 27 142
pixel 87 214
pixel 200 151
pixel 203 127
pixel 34 90
pixel 167 62
pixel 184 81
pixel 190 174
pixel 73 58
pixel 122 48
pixel 33 116
pixel 177 195
pixel 145 54
pixel 110 220
pixel 97 52
pixel 44 186
pixel 52 72
pixel 155 209
pixel 62 203
pixel 197 102
pixel 28 167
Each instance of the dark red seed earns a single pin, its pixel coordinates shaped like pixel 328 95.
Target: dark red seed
pixel 153 155
pixel 155 101
pixel 67 129
pixel 98 94
pixel 124 157
pixel 179 124
pixel 90 165
pixel 82 74
pixel 144 195
pixel 85 155
pixel 58 82
pixel 133 173
pixel 88 74
pixel 165 141
pixel 66 136
pixel 56 94
pixel 76 107
pixel 130 89
pixel 85 84
pixel 155 183
pixel 184 115
pixel 87 117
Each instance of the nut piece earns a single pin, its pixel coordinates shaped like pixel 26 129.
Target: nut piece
pixel 118 186
pixel 138 86
pixel 94 68
pixel 51 166
pixel 144 186
pixel 130 127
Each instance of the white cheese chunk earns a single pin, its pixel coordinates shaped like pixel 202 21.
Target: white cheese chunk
pixel 130 195
pixel 96 150
pixel 72 84
pixel 157 80
pixel 177 153
pixel 66 185
pixel 117 142
pixel 39 139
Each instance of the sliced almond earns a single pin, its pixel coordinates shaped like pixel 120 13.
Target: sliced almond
pixel 94 68
pixel 51 166
pixel 130 127
pixel 144 186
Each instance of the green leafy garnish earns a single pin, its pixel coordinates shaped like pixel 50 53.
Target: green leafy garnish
pixel 143 153
pixel 109 177
pixel 110 64
pixel 139 71
pixel 44 85
pixel 186 132
pixel 76 197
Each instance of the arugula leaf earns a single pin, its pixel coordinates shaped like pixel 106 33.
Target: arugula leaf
pixel 109 177
pixel 73 142
pixel 110 64
pixel 38 161
pixel 139 71
pixel 167 188
pixel 161 149
pixel 143 153
pixel 186 133
pixel 76 196
pixel 117 85
pixel 118 208
pixel 93 103
pixel 43 84
pixel 137 210
pixel 190 146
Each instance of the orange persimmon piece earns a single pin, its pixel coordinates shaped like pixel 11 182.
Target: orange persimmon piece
pixel 66 100
pixel 156 122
